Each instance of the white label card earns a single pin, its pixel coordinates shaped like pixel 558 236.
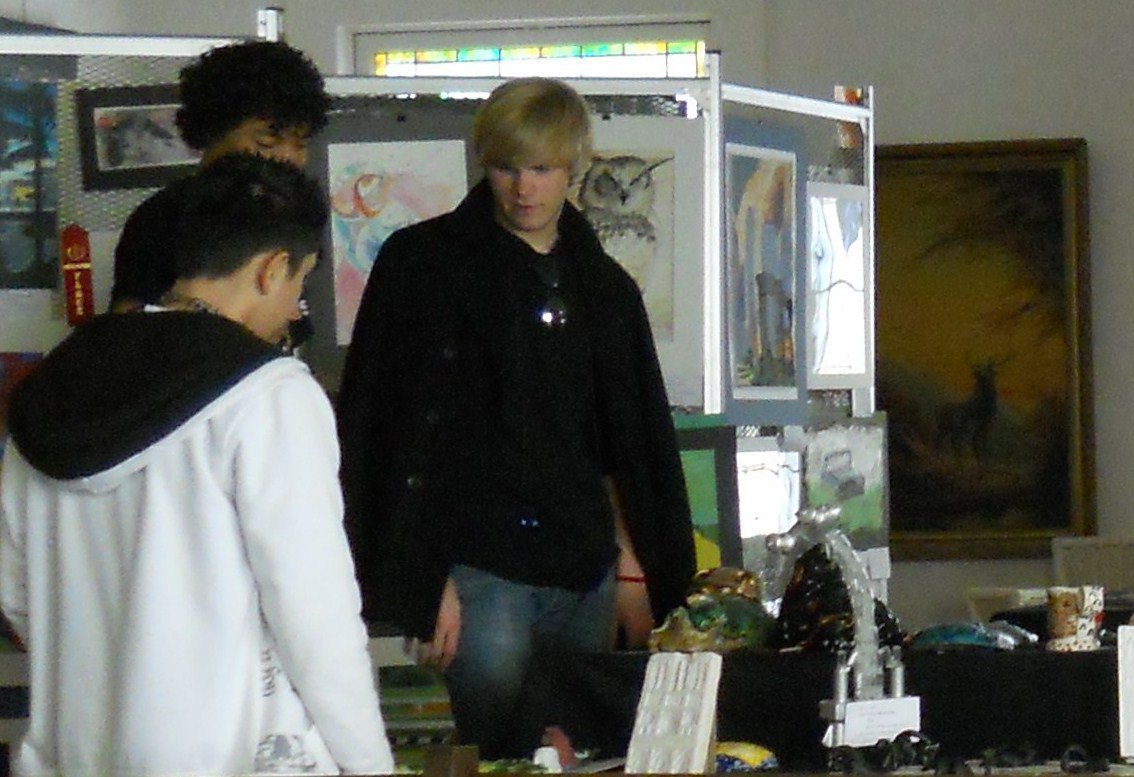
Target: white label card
pixel 1126 691
pixel 869 721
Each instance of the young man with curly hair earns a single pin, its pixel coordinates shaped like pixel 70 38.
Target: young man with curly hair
pixel 261 97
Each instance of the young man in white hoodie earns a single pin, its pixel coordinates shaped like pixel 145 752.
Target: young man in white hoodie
pixel 171 545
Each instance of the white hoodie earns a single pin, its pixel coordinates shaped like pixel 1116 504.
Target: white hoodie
pixel 193 609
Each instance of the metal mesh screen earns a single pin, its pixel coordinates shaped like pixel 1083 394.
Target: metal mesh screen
pixel 635 105
pixel 602 105
pixel 101 210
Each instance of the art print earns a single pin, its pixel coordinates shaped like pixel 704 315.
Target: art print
pixel 769 496
pixel 28 189
pixel 839 310
pixel 31 147
pixel 129 139
pixel 669 152
pixel 627 196
pixel 376 189
pixel 134 136
pixel 708 462
pixel 29 251
pixel 845 464
pixel 760 215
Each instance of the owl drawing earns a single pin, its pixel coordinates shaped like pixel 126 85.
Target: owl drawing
pixel 630 206
pixel 617 197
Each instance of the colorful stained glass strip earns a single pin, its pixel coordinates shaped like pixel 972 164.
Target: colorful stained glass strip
pixel 472 61
pixel 559 52
pixel 436 55
pixel 602 49
pixel 520 52
pixel 645 47
pixel 478 55
pixel 681 47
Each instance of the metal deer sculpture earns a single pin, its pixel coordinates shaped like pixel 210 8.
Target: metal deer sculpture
pixel 963 427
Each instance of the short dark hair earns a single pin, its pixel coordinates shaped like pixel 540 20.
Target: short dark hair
pixel 267 80
pixel 243 205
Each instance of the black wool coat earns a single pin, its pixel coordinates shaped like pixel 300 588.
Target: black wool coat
pixel 420 392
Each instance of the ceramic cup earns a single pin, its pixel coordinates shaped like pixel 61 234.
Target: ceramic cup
pixel 1074 617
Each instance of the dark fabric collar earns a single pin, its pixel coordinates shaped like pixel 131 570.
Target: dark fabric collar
pixel 473 221
pixel 122 382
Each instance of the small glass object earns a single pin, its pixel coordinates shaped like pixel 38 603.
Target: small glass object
pixel 552 313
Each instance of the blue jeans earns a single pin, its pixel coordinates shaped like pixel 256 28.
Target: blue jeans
pixel 501 620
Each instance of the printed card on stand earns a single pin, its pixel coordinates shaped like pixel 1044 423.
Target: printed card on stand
pixel 675 726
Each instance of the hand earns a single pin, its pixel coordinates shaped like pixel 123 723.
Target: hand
pixel 633 618
pixel 632 613
pixel 441 651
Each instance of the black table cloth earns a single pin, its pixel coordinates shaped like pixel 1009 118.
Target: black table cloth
pixel 972 700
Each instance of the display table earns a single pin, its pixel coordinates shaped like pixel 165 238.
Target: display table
pixel 971 700
pixel 1118 609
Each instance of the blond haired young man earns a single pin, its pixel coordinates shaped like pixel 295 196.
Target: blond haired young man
pixel 509 459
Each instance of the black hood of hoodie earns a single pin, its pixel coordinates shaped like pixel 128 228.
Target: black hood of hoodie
pixel 123 381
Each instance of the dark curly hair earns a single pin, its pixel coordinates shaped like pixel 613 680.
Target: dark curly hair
pixel 253 80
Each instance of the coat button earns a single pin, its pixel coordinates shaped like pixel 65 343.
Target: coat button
pixel 449 353
pixel 413 483
pixel 432 417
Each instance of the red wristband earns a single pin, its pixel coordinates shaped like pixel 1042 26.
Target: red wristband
pixel 630 578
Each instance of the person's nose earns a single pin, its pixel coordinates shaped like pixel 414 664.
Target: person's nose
pixel 296 156
pixel 523 183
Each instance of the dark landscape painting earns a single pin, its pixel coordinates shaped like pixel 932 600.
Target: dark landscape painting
pixel 981 329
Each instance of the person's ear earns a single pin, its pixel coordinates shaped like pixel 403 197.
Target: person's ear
pixel 272 269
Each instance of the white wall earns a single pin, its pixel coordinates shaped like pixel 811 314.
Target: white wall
pixel 311 24
pixel 943 70
pixel 976 70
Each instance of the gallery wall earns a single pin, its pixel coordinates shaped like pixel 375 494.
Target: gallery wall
pixel 312 24
pixel 961 70
pixel 970 70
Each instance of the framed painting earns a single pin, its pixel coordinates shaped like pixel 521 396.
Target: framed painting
pixel 983 340
pixel 31 142
pixel 708 460
pixel 128 137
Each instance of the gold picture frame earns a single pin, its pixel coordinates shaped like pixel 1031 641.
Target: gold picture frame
pixel 984 360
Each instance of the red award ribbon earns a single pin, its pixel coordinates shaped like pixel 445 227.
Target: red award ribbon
pixel 75 251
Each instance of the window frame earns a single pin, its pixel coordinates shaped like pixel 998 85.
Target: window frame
pixel 357 45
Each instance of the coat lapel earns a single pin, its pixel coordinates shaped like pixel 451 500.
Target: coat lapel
pixel 484 276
